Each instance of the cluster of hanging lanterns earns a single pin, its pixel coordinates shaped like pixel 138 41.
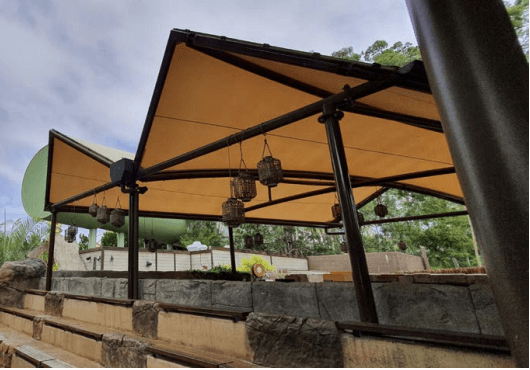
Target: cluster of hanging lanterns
pixel 243 186
pixel 251 241
pixel 104 214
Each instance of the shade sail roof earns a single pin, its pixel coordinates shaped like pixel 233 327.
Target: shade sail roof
pixel 217 90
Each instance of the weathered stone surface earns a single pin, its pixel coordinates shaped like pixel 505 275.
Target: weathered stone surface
pixel 449 279
pixel 23 274
pixel 337 302
pixel 60 284
pixel 185 292
pixel 232 295
pixel 6 354
pixel 38 325
pixel 296 299
pixel 287 341
pixel 486 310
pixel 145 318
pixel 121 288
pixel 11 296
pixel 85 286
pixel 429 306
pixel 107 288
pixel 478 279
pixel 42 284
pixel 53 303
pixel 123 352
pixel 147 289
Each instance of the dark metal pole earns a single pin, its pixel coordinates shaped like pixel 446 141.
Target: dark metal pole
pixel 132 276
pixel 479 80
pixel 361 279
pixel 232 250
pixel 51 250
pixel 412 218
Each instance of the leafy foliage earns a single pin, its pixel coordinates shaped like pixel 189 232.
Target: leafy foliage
pixel 518 13
pixel 24 236
pixel 246 264
pixel 44 257
pixel 445 239
pixel 205 232
pixel 110 239
pixel 295 241
pixel 83 242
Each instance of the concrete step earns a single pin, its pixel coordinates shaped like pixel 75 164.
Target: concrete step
pixel 103 345
pixel 18 350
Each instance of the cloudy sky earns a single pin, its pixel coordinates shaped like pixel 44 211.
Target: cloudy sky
pixel 88 68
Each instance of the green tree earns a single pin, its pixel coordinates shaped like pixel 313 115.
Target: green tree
pixel 347 53
pixel 518 13
pixel 295 241
pixel 205 232
pixel 109 239
pixel 445 239
pixel 83 242
pixel 24 236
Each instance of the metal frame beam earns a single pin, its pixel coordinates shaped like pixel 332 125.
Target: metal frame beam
pixel 413 218
pixel 51 252
pixel 386 181
pixel 483 103
pixel 361 280
pixel 354 93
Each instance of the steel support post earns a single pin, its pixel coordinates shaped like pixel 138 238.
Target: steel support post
pixel 479 79
pixel 51 250
pixel 132 277
pixel 361 279
pixel 232 250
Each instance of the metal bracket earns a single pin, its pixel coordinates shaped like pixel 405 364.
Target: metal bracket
pixel 329 110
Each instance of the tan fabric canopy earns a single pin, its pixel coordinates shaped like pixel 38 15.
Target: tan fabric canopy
pixel 210 88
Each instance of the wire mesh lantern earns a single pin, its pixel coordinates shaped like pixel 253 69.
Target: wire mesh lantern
pixel 93 209
pixel 269 168
pixel 103 213
pixel 117 216
pixel 244 187
pixel 360 218
pixel 380 209
pixel 233 212
pixel 69 238
pixel 249 242
pixel 258 239
pixel 152 245
pixel 402 245
pixel 335 210
pixel 343 247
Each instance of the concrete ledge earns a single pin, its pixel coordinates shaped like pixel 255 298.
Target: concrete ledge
pixel 372 352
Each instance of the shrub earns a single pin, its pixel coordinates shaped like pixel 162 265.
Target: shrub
pixel 246 264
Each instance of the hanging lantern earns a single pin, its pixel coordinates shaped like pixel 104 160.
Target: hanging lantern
pixel 270 171
pixel 93 210
pixel 380 209
pixel 335 211
pixel 233 212
pixel 269 168
pixel 402 245
pixel 152 245
pixel 360 217
pixel 249 242
pixel 69 238
pixel 72 230
pixel 258 239
pixel 244 187
pixel 103 215
pixel 103 212
pixel 343 247
pixel 117 216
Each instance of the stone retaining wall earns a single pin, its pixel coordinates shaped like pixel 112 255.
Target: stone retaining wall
pixel 461 303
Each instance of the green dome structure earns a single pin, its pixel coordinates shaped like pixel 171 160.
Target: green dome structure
pixel 33 193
